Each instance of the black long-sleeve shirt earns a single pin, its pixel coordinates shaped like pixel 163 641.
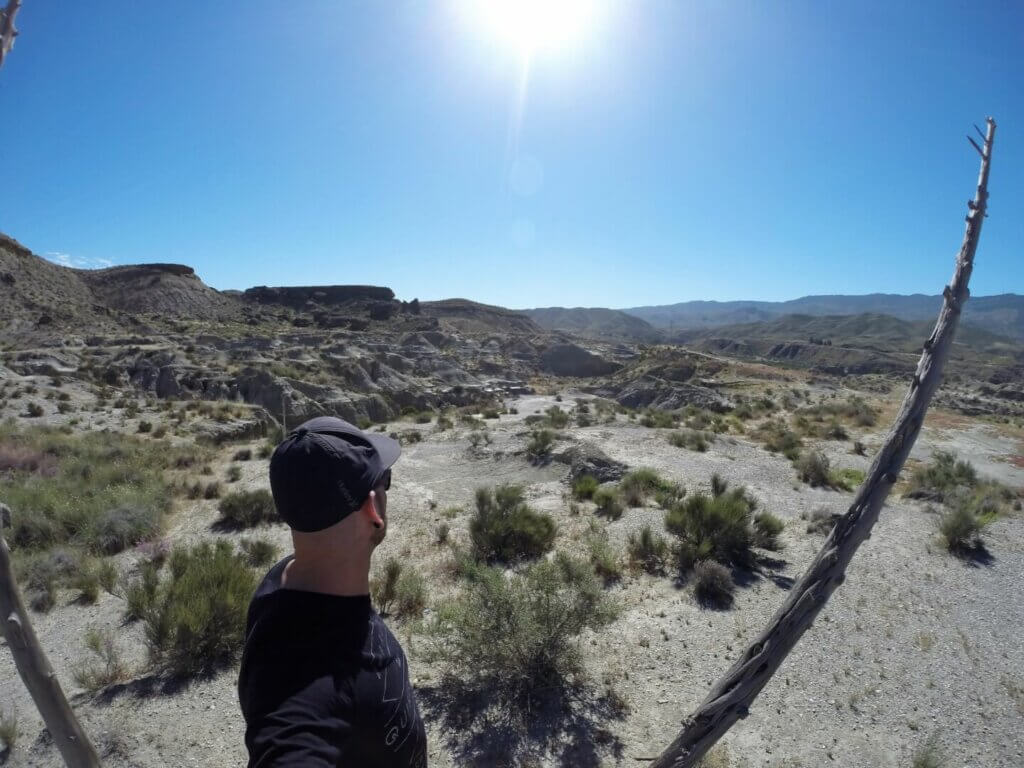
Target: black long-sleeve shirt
pixel 324 683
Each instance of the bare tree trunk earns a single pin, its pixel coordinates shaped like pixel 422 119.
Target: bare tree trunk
pixel 7 29
pixel 36 672
pixel 732 695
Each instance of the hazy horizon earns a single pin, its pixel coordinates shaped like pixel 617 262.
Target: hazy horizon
pixel 593 153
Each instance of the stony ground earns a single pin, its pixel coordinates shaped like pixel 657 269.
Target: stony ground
pixel 916 645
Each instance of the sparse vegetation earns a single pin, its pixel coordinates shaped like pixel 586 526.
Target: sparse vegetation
pixel 98 491
pixel 647 551
pixel 642 483
pixel 516 635
pixel 929 755
pixel 690 438
pixel 259 553
pixel 538 446
pixel 942 477
pixel 767 528
pixel 9 729
pixel 195 622
pixel 655 419
pixel 505 529
pixel 105 666
pixel 960 528
pixel 812 467
pixel 245 509
pixel 384 585
pixel 713 584
pixel 820 521
pixel 606 562
pixel 609 502
pixel 399 587
pixel 584 487
pixel 234 473
pixel 778 438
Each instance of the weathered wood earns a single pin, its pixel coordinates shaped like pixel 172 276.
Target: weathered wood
pixel 36 672
pixel 7 29
pixel 733 694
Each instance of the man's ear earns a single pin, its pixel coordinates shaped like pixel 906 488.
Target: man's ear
pixel 369 509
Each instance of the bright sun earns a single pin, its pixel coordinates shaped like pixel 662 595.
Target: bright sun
pixel 537 25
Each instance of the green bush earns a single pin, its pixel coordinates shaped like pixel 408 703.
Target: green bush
pixel 605 561
pixel 638 485
pixel 99 491
pixel 384 585
pixel 410 594
pixel 196 622
pixel 584 486
pixel 245 509
pixel 33 410
pixel 846 479
pixel 716 527
pixel 609 502
pixel 145 426
pixel 960 528
pixel 767 528
pixel 259 553
pixel 538 446
pixel 556 418
pixel 656 419
pixel 243 454
pixel 140 592
pixel 505 529
pixel 122 527
pixel 234 473
pixel 713 584
pixel 517 635
pixel 689 438
pixel 647 550
pixel 935 481
pixel 777 438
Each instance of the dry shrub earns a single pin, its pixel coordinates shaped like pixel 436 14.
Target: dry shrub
pixel 712 584
pixel 245 509
pixel 647 551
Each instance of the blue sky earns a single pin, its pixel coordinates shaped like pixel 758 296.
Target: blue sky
pixel 676 150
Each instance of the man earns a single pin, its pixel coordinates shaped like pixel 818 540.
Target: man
pixel 323 681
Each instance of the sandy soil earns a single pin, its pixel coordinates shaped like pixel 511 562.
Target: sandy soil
pixel 916 644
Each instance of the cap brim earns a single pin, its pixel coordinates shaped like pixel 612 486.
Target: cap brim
pixel 388 449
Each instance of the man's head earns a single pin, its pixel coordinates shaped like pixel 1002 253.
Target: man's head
pixel 328 475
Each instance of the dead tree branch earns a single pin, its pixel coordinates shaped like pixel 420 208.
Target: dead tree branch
pixel 36 672
pixel 732 695
pixel 7 29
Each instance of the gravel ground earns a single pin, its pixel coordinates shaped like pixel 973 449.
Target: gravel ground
pixel 914 645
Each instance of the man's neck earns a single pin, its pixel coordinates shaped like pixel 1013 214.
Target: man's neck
pixel 350 576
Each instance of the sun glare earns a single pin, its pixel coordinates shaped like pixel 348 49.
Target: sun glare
pixel 537 25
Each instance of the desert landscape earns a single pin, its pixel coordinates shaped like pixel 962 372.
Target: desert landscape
pixel 663 476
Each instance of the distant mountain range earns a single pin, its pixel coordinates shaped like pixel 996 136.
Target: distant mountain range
pixel 594 322
pixel 1002 314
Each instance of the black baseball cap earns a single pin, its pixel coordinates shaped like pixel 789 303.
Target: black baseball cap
pixel 324 470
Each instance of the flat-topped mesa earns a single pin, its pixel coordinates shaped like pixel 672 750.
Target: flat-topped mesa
pixel 133 271
pixel 299 296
